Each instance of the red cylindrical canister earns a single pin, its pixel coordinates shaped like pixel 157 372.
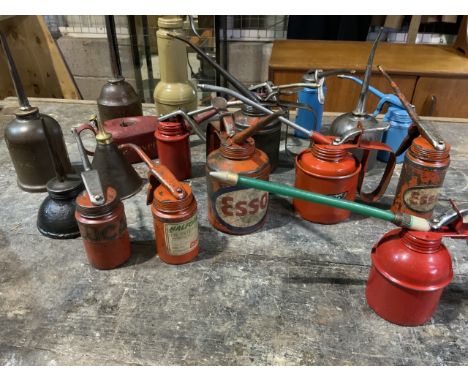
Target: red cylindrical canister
pixel 408 274
pixel 327 170
pixel 421 179
pixel 138 130
pixel 234 209
pixel 175 225
pixel 104 230
pixel 172 141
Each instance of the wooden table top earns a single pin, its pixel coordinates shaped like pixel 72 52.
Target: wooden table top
pixel 421 59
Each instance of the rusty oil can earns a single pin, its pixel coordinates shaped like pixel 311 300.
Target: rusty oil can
pixel 174 211
pixel 421 178
pixel 234 209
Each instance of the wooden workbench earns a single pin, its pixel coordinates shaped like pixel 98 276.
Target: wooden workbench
pixel 292 293
pixel 434 78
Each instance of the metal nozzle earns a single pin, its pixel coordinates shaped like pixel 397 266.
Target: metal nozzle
pixel 102 136
pixel 22 98
pixel 113 47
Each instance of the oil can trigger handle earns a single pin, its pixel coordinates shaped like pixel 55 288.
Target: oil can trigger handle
pixel 450 216
pixel 80 129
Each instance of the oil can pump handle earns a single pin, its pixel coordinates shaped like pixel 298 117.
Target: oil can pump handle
pixel 449 217
pixel 317 137
pixel 85 126
pixel 241 136
pixel 22 98
pixel 159 171
pixel 353 133
pixel 436 141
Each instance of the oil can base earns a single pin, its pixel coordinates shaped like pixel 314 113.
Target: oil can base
pixel 32 189
pixel 177 260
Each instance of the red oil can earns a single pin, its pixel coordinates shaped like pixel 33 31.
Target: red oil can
pixel 137 130
pixel 172 142
pixel 332 170
pixel 174 210
pixel 410 269
pixel 421 178
pixel 328 170
pixel 235 209
pixel 104 230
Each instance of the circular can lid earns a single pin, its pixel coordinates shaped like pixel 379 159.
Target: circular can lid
pixel 86 208
pixel 170 22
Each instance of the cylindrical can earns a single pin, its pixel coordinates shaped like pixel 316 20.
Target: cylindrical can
pixel 138 130
pixel 234 209
pixel 175 225
pixel 400 122
pixel 408 274
pixel 104 230
pixel 421 179
pixel 172 142
pixel 267 138
pixel 308 119
pixel 327 170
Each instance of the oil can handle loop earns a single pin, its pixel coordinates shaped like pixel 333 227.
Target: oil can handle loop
pixel 82 127
pixel 387 175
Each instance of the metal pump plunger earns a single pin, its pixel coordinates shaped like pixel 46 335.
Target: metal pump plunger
pixel 349 121
pixel 117 99
pixel 26 140
pixel 56 215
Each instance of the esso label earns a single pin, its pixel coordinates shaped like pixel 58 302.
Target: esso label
pixel 240 208
pixel 421 199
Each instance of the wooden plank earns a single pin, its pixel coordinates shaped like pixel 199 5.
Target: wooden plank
pixel 413 29
pixel 40 64
pixel 451 95
pixel 402 59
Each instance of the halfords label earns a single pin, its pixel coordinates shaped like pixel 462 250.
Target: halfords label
pixel 181 237
pixel 421 199
pixel 240 209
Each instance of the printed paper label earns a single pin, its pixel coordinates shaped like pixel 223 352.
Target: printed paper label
pixel 421 199
pixel 181 237
pixel 240 208
pixel 102 233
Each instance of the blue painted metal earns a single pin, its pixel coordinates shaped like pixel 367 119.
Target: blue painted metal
pixel 309 119
pixel 396 115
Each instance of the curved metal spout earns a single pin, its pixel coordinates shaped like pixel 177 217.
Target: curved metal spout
pixel 241 136
pixel 317 137
pixel 190 121
pixel 365 84
pixel 233 80
pixel 161 172
pixel 22 98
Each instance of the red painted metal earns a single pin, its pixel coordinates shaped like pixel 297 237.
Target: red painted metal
pixel 174 211
pixel 331 170
pixel 409 272
pixel 421 179
pixel 172 141
pixel 328 170
pixel 137 130
pixel 104 230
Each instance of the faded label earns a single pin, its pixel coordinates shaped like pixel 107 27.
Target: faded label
pixel 102 233
pixel 181 237
pixel 421 199
pixel 241 207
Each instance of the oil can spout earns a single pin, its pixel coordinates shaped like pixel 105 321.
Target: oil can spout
pixel 241 136
pixel 229 77
pixel 159 171
pixel 23 100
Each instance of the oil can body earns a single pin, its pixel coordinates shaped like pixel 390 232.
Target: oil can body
pixel 234 209
pixel 328 171
pixel 421 179
pixel 104 230
pixel 175 226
